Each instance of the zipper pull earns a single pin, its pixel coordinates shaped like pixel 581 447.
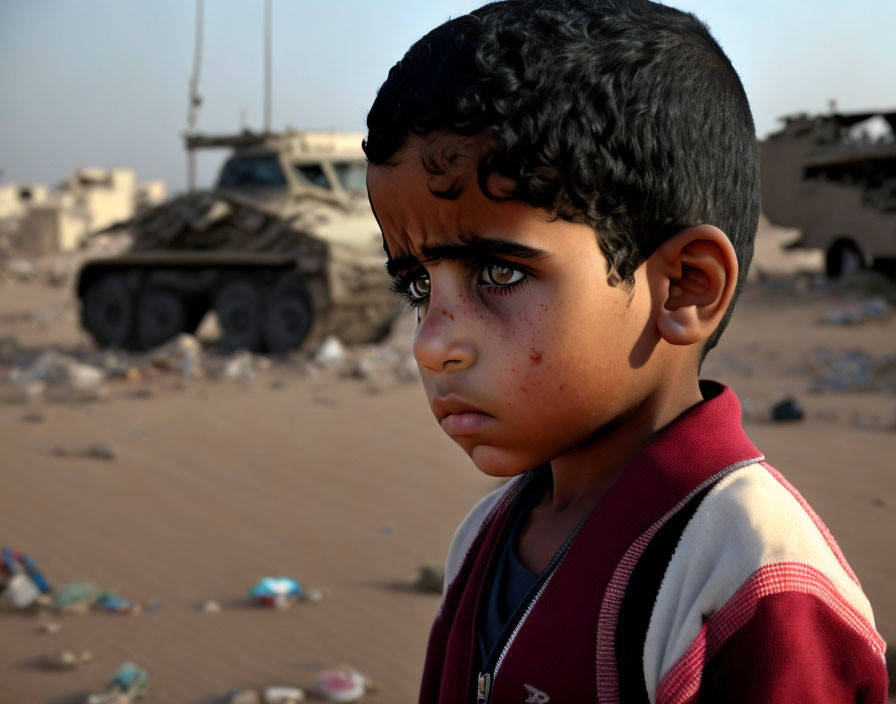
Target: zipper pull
pixel 483 688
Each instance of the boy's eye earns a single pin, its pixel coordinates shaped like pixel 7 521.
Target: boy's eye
pixel 419 288
pixel 500 274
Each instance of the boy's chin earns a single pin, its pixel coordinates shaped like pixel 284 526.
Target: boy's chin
pixel 499 462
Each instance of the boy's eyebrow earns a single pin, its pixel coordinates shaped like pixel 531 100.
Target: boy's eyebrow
pixel 476 248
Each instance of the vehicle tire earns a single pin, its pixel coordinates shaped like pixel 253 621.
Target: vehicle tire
pixel 108 311
pixel 161 314
pixel 289 315
pixel 843 259
pixel 240 306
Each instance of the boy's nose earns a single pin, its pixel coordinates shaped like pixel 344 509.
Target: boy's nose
pixel 442 342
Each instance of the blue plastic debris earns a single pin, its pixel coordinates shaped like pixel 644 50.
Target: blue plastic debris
pixel 276 591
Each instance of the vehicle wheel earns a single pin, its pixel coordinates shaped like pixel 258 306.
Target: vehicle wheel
pixel 161 314
pixel 289 316
pixel 108 311
pixel 241 314
pixel 843 259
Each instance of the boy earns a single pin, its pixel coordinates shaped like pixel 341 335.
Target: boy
pixel 568 195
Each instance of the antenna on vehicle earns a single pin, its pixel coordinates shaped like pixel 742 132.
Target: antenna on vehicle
pixel 195 98
pixel 267 66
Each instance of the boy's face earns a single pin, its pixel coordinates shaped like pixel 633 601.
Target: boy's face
pixel 526 352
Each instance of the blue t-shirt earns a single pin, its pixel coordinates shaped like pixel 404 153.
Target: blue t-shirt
pixel 512 581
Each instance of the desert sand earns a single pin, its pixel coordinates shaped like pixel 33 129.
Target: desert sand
pixel 348 485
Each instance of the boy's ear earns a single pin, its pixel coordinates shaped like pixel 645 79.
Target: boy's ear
pixel 692 279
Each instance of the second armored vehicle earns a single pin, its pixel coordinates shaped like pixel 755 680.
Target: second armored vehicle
pixel 284 249
pixel 834 177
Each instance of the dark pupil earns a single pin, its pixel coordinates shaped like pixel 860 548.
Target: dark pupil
pixel 421 286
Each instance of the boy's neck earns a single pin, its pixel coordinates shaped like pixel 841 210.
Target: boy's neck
pixel 582 476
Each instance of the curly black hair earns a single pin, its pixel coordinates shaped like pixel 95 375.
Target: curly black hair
pixel 622 114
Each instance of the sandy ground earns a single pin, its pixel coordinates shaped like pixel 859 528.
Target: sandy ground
pixel 342 485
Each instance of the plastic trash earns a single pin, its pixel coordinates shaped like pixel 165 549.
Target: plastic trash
pixel 20 592
pixel 110 601
pixel 344 684
pixel 275 592
pixel 75 596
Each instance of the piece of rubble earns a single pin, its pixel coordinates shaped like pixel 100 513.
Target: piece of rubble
pixel 183 354
pixel 430 578
pixel 314 595
pixel 50 628
pixel 63 660
pixel 211 606
pixel 34 417
pixel 240 366
pixel 331 352
pixel 59 378
pixel 787 410
pixel 20 392
pixel 244 696
pixel 99 451
pixel 283 695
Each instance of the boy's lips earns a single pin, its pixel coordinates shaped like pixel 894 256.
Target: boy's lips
pixel 457 417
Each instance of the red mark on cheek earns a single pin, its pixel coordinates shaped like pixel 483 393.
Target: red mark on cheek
pixel 535 356
pixel 524 389
pixel 447 314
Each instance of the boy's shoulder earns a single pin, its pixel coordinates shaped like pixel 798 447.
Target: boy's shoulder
pixel 470 527
pixel 751 540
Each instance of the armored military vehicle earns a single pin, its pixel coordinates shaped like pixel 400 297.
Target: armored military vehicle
pixel 834 177
pixel 284 249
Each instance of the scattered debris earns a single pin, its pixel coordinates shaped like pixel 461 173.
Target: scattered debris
pixel 183 354
pixel 344 684
pixel 211 606
pixel 851 371
pixel 110 601
pixel 130 683
pixel 787 410
pixel 330 353
pixel 96 451
pixel 34 417
pixel 431 578
pixel 63 660
pixel 240 366
pixel 276 592
pixel 50 628
pixel 244 696
pixel 875 308
pixel 76 597
pixel 283 695
pixel 58 378
pixel 20 592
pixel 21 582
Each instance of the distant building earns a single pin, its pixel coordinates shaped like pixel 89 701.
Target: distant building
pixel 89 200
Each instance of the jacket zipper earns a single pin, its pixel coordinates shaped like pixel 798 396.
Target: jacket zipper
pixel 486 679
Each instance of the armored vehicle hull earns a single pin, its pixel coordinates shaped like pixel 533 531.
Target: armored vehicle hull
pixel 834 177
pixel 282 250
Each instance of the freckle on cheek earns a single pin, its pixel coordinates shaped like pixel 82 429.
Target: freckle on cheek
pixel 535 356
pixel 524 389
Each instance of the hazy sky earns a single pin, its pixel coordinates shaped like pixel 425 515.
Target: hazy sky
pixel 104 82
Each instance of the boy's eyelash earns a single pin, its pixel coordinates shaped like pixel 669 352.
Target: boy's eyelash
pixel 402 281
